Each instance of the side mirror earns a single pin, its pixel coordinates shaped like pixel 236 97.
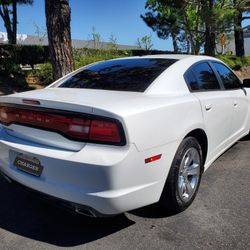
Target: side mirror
pixel 246 83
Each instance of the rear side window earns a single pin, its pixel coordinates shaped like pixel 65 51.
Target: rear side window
pixel 229 80
pixel 205 77
pixel 122 74
pixel 191 81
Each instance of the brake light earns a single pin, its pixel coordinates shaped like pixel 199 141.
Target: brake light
pixel 104 131
pixel 78 127
pixel 31 101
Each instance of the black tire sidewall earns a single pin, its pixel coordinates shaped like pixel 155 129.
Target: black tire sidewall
pixel 170 197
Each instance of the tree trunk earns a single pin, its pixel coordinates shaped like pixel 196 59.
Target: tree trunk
pixel 14 23
pixel 239 36
pixel 59 36
pixel 210 44
pixel 175 45
pixel 188 46
pixel 4 12
pixel 210 36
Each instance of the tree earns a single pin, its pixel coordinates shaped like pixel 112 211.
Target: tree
pixel 59 36
pixel 113 44
pixel 96 38
pixel 162 17
pixel 218 19
pixel 208 16
pixel 193 23
pixel 41 32
pixel 145 42
pixel 8 12
pixel 193 27
pixel 180 20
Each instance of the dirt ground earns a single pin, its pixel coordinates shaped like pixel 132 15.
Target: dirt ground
pixel 243 73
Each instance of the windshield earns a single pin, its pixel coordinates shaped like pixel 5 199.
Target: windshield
pixel 121 74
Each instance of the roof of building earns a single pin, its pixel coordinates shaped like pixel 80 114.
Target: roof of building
pixel 76 43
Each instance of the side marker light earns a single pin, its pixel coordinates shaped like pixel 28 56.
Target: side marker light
pixel 153 158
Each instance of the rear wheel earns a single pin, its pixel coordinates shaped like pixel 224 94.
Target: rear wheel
pixel 184 176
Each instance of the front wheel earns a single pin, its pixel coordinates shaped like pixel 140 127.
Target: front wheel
pixel 184 176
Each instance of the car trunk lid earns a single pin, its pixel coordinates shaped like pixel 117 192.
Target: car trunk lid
pixel 35 104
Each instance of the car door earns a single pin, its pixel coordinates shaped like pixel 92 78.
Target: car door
pixel 240 102
pixel 215 104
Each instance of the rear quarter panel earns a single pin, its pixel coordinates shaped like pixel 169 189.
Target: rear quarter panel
pixel 169 121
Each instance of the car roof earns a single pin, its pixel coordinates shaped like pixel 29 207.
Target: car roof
pixel 174 75
pixel 177 57
pixel 168 56
pixel 180 57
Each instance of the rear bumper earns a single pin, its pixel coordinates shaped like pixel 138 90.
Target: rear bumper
pixel 107 180
pixel 69 206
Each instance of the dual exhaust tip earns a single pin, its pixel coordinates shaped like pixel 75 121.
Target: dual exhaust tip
pixel 86 212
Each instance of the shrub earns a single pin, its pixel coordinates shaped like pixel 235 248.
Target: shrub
pixel 85 56
pixel 43 73
pixel 8 67
pixel 233 62
pixel 248 60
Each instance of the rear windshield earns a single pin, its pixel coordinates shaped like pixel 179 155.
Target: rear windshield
pixel 122 75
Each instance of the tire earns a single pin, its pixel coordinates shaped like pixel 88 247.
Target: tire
pixel 184 177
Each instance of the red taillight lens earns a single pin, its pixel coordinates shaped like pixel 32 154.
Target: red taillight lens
pixel 31 101
pixel 104 131
pixel 75 127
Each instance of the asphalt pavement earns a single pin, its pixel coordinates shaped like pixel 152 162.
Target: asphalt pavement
pixel 218 219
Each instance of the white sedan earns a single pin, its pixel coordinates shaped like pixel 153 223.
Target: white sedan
pixel 125 133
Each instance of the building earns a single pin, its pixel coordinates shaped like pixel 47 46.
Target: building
pixel 25 39
pixel 247 39
pixel 230 44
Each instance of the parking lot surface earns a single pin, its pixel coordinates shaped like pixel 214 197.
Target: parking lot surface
pixel 218 219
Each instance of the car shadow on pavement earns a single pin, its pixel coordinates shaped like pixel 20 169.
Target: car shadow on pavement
pixel 24 215
pixel 153 211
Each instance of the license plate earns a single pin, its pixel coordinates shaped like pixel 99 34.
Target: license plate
pixel 28 164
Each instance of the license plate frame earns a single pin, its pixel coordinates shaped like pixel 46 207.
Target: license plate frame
pixel 28 164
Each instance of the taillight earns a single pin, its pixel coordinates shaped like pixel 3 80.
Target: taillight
pixel 77 127
pixel 31 101
pixel 104 131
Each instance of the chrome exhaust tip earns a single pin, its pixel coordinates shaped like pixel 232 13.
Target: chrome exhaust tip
pixel 85 212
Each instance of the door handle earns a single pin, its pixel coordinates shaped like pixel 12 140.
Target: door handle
pixel 208 107
pixel 235 104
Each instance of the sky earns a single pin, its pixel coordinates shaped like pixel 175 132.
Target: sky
pixel 119 17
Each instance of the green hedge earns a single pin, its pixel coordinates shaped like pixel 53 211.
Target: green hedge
pixel 13 55
pixel 36 54
pixel 86 56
